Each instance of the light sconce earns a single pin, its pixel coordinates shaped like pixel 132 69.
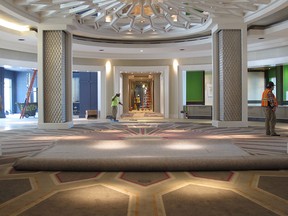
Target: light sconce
pixel 108 67
pixel 175 65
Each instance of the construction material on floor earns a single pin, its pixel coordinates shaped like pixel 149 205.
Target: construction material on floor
pixel 147 155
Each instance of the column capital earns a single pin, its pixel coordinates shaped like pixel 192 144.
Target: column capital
pixel 55 27
pixel 228 22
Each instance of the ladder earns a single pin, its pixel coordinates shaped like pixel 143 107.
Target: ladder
pixel 26 103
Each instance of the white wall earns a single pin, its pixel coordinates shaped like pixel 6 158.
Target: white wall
pixel 208 88
pixel 256 84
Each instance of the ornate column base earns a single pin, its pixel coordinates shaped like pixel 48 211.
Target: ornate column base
pixel 65 125
pixel 216 123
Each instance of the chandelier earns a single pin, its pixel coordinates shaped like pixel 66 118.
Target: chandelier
pixel 138 15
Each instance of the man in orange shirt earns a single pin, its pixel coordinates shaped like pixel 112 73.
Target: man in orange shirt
pixel 269 102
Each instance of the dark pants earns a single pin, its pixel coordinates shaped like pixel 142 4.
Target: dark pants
pixel 270 121
pixel 114 112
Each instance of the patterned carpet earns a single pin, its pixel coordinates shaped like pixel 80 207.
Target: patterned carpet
pixel 142 193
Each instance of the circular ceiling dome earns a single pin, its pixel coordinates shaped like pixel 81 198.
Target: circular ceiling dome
pixel 136 19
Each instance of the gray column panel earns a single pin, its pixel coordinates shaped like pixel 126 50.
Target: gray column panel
pixel 230 73
pixel 54 76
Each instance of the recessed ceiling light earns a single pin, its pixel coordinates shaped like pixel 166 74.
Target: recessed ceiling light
pixel 141 50
pixel 21 39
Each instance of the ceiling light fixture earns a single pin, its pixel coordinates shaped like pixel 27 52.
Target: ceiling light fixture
pixel 174 17
pixel 108 19
pixel 13 26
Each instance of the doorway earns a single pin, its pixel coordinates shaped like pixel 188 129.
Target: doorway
pixel 8 96
pixel 161 87
pixel 141 93
pixel 84 92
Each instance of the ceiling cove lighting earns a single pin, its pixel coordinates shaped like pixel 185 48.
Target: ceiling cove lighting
pixel 14 26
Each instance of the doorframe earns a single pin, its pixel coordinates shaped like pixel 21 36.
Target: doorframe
pixel 164 83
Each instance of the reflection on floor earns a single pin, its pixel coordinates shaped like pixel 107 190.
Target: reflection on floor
pixel 144 115
pixel 232 192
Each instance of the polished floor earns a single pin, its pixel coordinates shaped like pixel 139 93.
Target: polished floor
pixel 193 192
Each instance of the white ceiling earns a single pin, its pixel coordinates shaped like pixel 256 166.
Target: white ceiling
pixel 100 39
pixel 134 19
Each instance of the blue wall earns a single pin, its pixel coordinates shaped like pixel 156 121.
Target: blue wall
pixel 2 72
pixel 88 92
pixel 19 86
pixel 88 88
pixel 12 75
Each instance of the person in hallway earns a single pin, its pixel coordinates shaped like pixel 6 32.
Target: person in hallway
pixel 269 102
pixel 114 105
pixel 138 102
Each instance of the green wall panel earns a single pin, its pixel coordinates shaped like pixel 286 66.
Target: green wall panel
pixel 285 83
pixel 271 74
pixel 194 87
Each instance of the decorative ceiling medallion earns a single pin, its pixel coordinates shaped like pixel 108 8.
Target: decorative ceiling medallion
pixel 139 16
pixel 130 17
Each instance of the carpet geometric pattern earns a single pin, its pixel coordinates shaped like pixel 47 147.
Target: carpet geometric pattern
pixel 142 193
pixel 150 178
pixel 146 193
pixel 222 201
pixel 220 176
pixel 252 139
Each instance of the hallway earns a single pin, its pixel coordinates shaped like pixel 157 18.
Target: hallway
pixel 141 115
